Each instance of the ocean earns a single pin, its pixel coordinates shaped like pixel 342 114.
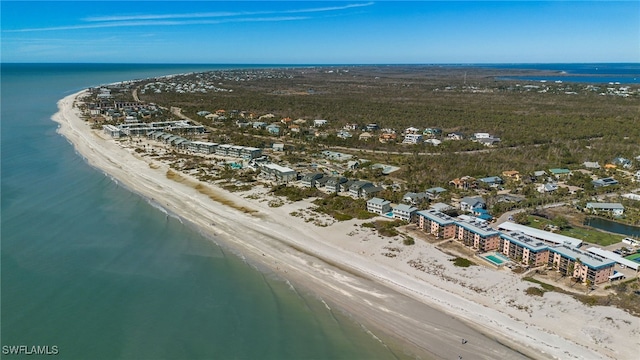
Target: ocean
pixel 589 73
pixel 96 272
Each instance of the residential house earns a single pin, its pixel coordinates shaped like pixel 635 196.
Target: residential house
pixel 608 181
pixel 626 163
pixel 319 122
pixel 442 207
pixel 482 214
pixel 434 142
pixel 411 130
pixel 547 188
pixel 378 206
pixel 278 147
pixel 464 183
pixel 492 181
pixel 372 127
pixel 333 184
pixel 412 139
pixel 414 198
pixel 436 223
pixel 560 173
pixel 404 212
pixel 365 136
pixel 455 136
pixel 277 173
pixel 370 191
pixel 259 125
pixel 591 165
pixel 344 134
pixel 512 175
pixel 351 126
pixel 387 137
pixel 615 209
pixel 432 132
pixel 491 141
pixel 356 189
pixel 471 203
pixel 273 129
pixel 434 192
pixel 309 180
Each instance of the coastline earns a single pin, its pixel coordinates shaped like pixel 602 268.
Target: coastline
pixel 349 272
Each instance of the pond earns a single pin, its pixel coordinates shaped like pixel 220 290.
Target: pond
pixel 612 226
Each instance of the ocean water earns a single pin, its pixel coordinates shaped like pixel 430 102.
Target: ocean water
pixel 591 73
pixel 100 273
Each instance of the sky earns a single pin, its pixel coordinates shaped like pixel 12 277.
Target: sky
pixel 320 32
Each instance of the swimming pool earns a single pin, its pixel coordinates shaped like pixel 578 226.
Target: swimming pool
pixel 497 258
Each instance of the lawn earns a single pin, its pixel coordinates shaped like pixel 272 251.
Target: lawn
pixel 584 234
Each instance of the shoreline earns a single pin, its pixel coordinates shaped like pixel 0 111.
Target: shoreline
pixel 428 312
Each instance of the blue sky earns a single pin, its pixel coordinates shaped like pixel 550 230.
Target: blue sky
pixel 320 32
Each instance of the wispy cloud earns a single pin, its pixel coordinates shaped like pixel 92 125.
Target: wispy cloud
pixel 204 18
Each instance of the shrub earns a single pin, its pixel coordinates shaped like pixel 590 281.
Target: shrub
pixel 534 291
pixel 462 262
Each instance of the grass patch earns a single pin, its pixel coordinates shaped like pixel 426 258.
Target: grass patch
pixel 343 208
pixel 294 193
pixel 210 193
pixel 462 262
pixel 534 291
pixel 544 285
pixel 385 228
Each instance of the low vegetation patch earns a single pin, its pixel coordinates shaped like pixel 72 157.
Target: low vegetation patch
pixel 343 208
pixel 462 262
pixel 294 193
pixel 535 291
pixel 385 228
pixel 545 286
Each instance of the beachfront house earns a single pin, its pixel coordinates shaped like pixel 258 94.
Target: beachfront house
pixel 309 180
pixel 277 173
pixel 615 209
pixel 404 212
pixel 378 206
pixel 333 184
pixel 356 189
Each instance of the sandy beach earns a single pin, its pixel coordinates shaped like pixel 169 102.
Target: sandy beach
pixel 426 309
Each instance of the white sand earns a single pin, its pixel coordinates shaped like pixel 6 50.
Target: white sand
pixel 428 310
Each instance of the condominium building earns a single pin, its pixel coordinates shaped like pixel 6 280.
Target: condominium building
pixel 436 223
pixel 581 264
pixel 523 248
pixel 477 235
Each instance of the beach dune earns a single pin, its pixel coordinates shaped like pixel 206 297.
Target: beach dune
pixel 425 313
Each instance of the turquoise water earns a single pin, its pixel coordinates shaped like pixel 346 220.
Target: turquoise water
pixel 100 273
pixel 494 259
pixel 497 258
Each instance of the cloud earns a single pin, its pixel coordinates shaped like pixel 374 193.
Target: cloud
pixel 205 18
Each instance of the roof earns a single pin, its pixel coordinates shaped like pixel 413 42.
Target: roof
pixel 608 206
pixel 477 227
pixel 559 171
pixel 491 180
pixel 524 240
pixel 279 168
pixel 615 257
pixel 441 206
pixel 541 234
pixel 437 216
pixel 592 260
pixel 472 201
pixel 435 190
pixel 378 201
pixel 404 207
